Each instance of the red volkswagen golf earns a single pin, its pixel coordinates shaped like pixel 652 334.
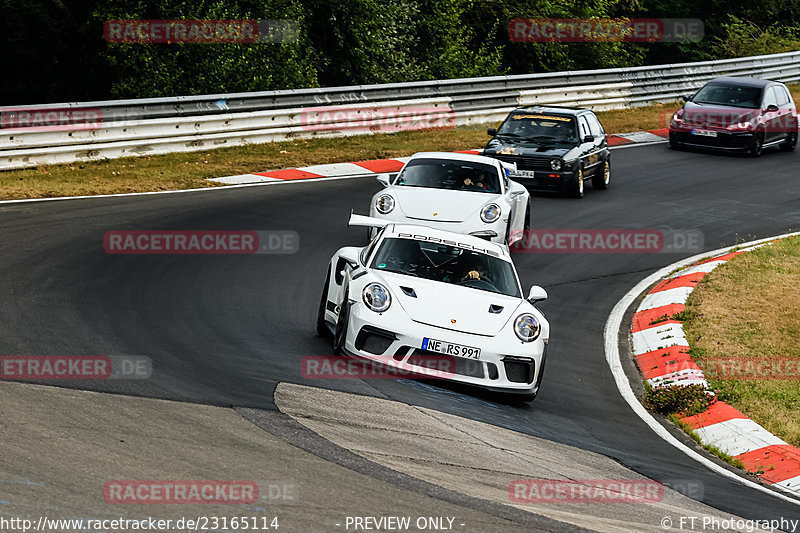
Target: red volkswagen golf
pixel 736 114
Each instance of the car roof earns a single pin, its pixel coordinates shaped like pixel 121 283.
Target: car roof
pixel 394 230
pixel 743 81
pixel 555 110
pixel 455 156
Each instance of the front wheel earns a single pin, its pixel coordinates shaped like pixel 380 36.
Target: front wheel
pixel 322 326
pixel 757 146
pixel 340 335
pixel 790 144
pixel 601 179
pixel 576 187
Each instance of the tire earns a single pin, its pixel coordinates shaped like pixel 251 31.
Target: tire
pixel 322 326
pixel 601 180
pixel 757 146
pixel 527 225
pixel 340 336
pixel 576 187
pixel 791 143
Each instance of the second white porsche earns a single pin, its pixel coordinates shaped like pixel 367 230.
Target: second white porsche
pixel 462 193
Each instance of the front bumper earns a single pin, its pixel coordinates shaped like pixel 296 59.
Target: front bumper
pixel 546 180
pixel 724 141
pixel 505 365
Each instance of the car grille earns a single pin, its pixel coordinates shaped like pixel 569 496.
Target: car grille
pixel 463 366
pixel 722 140
pixel 525 162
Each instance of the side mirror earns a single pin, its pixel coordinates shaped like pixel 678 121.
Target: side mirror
pixel 491 132
pixel 537 294
pixel 771 108
pixel 588 139
pixel 383 179
pixel 686 97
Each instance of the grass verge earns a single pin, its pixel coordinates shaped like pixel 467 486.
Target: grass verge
pixel 747 311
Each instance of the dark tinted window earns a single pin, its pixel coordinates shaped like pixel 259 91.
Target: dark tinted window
pixel 539 127
pixel 450 174
pixel 728 95
pixel 447 264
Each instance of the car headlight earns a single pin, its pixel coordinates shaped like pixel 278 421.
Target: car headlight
pixel 555 164
pixel 377 297
pixel 740 126
pixel 384 204
pixel 527 327
pixel 490 213
pixel 676 120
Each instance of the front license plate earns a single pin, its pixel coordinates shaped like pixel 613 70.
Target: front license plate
pixel 523 173
pixel 449 348
pixel 704 133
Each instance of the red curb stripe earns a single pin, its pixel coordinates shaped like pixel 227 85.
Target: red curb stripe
pixel 725 257
pixel 718 412
pixel 289 174
pixel 663 132
pixel 779 461
pixel 642 319
pixel 688 280
pixel 613 140
pixel 381 165
pixel 665 361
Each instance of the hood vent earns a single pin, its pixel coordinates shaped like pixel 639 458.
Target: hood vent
pixel 408 291
pixel 495 309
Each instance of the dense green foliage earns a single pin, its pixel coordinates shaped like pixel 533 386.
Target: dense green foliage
pixel 55 51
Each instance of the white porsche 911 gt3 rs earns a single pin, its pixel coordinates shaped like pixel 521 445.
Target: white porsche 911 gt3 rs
pixel 416 293
pixel 462 193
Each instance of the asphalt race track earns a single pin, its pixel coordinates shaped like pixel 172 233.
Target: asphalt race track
pixel 226 329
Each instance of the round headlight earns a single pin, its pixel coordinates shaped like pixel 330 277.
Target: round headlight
pixel 555 164
pixel 526 327
pixel 384 204
pixel 377 297
pixel 490 213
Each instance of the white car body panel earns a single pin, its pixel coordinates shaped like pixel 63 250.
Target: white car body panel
pixel 459 211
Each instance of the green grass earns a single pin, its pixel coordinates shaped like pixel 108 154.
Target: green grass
pixel 749 310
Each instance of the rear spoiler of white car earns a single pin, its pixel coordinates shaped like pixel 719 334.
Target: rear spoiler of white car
pixel 370 222
pixel 509 166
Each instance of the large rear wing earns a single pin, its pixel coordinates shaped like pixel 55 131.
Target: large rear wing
pixel 370 222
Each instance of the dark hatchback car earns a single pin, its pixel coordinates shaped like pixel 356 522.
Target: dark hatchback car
pixel 736 114
pixel 554 149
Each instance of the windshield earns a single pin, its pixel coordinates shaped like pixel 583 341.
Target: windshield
pixel 728 95
pixel 450 175
pixel 447 264
pixel 542 129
